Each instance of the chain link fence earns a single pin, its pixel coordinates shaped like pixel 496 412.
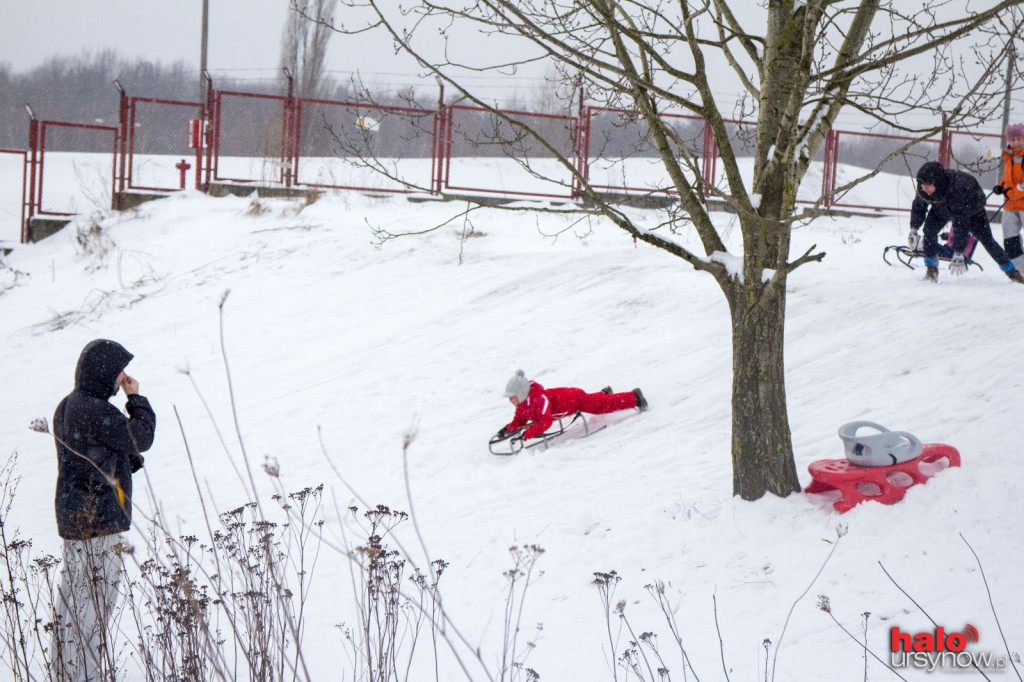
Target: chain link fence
pixel 250 138
pixel 71 168
pixel 512 153
pixel 277 141
pixel 360 146
pixel 620 156
pixel 162 145
pixel 980 155
pixel 13 178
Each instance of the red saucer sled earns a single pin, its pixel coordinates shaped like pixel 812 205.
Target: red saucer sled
pixel 885 484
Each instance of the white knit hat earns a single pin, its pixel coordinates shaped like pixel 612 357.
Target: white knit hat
pixel 518 386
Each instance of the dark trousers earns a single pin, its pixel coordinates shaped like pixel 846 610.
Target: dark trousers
pixel 932 228
pixel 976 224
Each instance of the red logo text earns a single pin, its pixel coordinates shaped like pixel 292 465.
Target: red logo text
pixel 935 641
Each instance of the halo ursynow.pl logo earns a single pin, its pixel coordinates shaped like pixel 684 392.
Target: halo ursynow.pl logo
pixel 939 649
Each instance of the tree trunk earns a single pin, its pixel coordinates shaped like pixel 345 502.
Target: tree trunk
pixel 762 448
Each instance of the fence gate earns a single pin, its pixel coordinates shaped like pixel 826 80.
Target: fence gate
pixel 251 138
pixel 13 173
pixel 979 154
pixel 621 156
pixel 162 145
pixel 503 154
pixel 352 145
pixel 856 154
pixel 74 162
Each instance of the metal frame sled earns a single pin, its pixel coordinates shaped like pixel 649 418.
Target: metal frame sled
pixel 906 255
pixel 512 444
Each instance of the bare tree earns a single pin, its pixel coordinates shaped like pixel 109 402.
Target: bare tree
pixel 799 64
pixel 304 45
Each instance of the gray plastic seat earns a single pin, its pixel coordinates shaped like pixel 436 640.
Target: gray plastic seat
pixel 884 448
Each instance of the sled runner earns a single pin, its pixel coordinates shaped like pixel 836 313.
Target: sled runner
pixel 512 444
pixel 906 255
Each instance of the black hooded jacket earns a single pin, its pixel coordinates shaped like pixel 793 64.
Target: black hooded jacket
pixel 955 191
pixel 98 448
pixel 937 216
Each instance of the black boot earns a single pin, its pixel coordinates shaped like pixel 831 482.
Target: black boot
pixel 1013 248
pixel 1015 276
pixel 641 401
pixel 607 390
pixel 931 274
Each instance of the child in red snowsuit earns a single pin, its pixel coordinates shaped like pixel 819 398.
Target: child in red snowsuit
pixel 537 407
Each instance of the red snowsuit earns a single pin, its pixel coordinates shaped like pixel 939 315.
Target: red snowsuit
pixel 542 406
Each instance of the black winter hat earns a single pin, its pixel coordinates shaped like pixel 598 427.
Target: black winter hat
pixel 932 173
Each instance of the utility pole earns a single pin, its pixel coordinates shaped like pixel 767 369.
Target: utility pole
pixel 202 51
pixel 1011 57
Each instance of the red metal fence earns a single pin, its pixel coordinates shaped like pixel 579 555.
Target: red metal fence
pixel 258 140
pixel 251 138
pixel 156 133
pixel 74 163
pixel 399 143
pixel 13 165
pixel 520 148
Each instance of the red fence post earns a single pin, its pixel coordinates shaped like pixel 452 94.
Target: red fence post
pixel 449 127
pixel 588 127
pixel 582 144
pixel 828 177
pixel 289 132
pixel 201 143
pixel 120 178
pixel 946 148
pixel 437 144
pixel 443 115
pixel 710 158
pixel 207 114
pixel 33 173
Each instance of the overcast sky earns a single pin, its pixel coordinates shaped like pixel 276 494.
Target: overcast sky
pixel 244 39
pixel 244 42
pixel 243 33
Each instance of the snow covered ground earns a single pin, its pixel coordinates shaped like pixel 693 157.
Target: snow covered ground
pixel 338 348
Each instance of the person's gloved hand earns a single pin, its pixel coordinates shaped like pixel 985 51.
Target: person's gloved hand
pixel 912 239
pixel 999 189
pixel 957 266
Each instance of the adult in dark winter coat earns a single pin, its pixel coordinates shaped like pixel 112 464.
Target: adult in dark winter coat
pixel 964 199
pixel 98 450
pixel 934 217
pixel 537 407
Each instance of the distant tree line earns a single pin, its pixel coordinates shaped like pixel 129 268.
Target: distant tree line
pixel 81 90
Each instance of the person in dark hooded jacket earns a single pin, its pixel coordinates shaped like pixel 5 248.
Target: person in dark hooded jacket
pixel 98 450
pixel 934 217
pixel 963 198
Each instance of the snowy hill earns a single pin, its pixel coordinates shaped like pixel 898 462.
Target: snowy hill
pixel 337 349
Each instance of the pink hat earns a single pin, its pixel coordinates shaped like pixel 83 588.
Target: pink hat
pixel 1015 130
